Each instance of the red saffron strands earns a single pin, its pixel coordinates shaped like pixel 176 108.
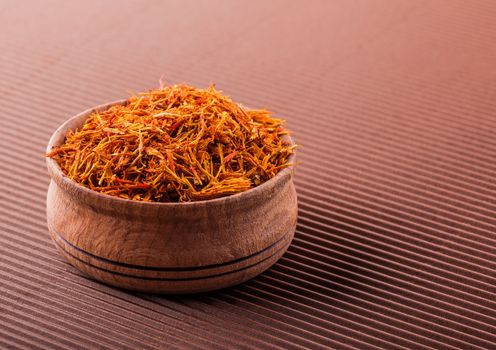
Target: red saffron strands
pixel 176 143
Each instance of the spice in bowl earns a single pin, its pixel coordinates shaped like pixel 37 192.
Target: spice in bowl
pixel 175 144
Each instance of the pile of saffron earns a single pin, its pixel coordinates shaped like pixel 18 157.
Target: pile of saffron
pixel 175 144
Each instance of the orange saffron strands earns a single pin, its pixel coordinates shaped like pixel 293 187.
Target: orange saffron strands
pixel 176 143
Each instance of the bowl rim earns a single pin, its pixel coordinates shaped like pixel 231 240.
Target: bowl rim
pixel 81 191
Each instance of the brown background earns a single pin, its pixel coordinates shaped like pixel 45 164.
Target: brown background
pixel 394 104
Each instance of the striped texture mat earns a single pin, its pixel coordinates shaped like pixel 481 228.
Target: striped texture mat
pixel 394 105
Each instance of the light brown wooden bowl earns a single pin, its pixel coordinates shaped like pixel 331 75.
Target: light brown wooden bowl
pixel 169 247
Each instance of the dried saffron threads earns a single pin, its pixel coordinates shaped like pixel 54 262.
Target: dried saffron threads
pixel 176 143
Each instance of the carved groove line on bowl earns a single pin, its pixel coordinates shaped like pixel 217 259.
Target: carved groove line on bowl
pixel 277 252
pixel 59 236
pixel 277 248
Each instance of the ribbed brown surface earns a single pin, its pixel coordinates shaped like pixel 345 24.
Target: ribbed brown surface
pixel 394 104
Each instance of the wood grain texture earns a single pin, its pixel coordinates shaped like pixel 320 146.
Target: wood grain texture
pixel 169 247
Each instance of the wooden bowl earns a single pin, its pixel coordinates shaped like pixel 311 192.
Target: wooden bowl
pixel 169 247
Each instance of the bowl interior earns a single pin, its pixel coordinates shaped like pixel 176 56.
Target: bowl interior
pixel 83 192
